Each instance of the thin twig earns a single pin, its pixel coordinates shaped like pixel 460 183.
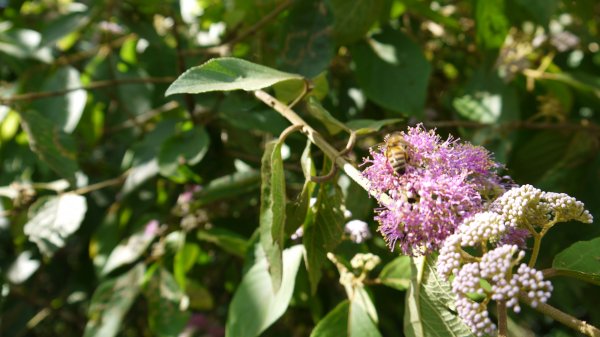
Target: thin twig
pixel 224 48
pixel 502 319
pixel 566 319
pixel 319 141
pixel 30 96
pixel 97 186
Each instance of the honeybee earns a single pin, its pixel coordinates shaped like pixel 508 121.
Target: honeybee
pixel 395 152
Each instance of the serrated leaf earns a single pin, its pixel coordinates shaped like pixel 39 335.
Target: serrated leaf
pixel 581 260
pixel 309 49
pixel 186 148
pixel 66 110
pixel 111 301
pixel 366 126
pixel 393 72
pixel 334 126
pixel 324 233
pixel 353 19
pixel 255 306
pixel 130 249
pixel 428 302
pixel 272 209
pixel 53 220
pixel 397 273
pixel 226 74
pixel 165 317
pixel 52 146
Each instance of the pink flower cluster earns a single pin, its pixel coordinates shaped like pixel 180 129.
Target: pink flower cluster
pixel 443 183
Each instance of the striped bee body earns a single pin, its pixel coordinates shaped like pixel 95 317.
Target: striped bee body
pixel 395 152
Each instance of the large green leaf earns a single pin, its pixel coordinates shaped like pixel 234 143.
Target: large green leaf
pixel 397 273
pixel 186 148
pixel 52 146
pixel 54 219
pixel 225 74
pixel 360 320
pixel 165 317
pixel 272 209
pixel 581 260
pixel 392 71
pixel 335 323
pixel 255 306
pixel 111 301
pixel 353 19
pixel 428 302
pixel 324 232
pixel 66 110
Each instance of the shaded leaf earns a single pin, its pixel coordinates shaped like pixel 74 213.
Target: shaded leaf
pixel 397 273
pixel 130 249
pixel 111 301
pixel 186 148
pixel 392 71
pixel 366 126
pixel 335 323
pixel 53 220
pixel 228 186
pixel 581 260
pixel 225 74
pixel 334 126
pixel 229 241
pixel 324 233
pixel 255 306
pixel 52 146
pixel 491 23
pixel 428 302
pixel 164 296
pixel 353 19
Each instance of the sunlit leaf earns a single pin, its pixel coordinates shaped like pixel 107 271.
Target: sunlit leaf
pixel 397 273
pixel 491 23
pixel 225 74
pixel 255 306
pixel 53 220
pixel 111 301
pixel 130 249
pixel 581 261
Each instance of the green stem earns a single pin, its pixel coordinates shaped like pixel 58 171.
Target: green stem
pixel 320 142
pixel 566 319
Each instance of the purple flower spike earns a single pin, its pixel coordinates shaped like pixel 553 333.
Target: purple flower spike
pixel 443 183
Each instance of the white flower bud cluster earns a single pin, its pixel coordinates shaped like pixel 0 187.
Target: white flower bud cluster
pixel 566 207
pixel 358 231
pixel 496 267
pixel 448 262
pixel 531 282
pixel 482 227
pixel 475 316
pixel 366 262
pixel 520 205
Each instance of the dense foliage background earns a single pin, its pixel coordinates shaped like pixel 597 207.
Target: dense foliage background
pixel 125 212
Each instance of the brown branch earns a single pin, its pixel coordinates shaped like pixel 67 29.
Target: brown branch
pixel 224 48
pixel 30 96
pixel 100 185
pixel 502 319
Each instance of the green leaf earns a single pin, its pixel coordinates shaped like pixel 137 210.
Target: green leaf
pixel 353 19
pixel 229 241
pixel 272 209
pixel 324 233
pixel 397 273
pixel 360 320
pixel 65 110
pixel 184 260
pixel 366 126
pixel 227 187
pixel 255 306
pixel 52 146
pixel 23 44
pixel 297 211
pixel 164 297
pixel 581 260
pixel 540 10
pixel 335 323
pixel 130 249
pixel 225 74
pixel 105 238
pixel 53 219
pixel 393 72
pixel 316 110
pixel 491 23
pixel 111 301
pixel 186 148
pixel 428 302
pixel 309 49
